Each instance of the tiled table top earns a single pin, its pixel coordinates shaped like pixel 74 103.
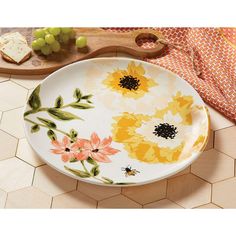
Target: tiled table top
pixel 26 182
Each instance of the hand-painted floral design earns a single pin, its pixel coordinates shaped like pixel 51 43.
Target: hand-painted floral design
pixel 163 137
pixel 72 149
pixel 82 149
pixel 92 151
pixel 67 149
pixel 131 83
pixel 97 149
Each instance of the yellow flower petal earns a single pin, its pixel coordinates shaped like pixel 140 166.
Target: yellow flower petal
pixel 135 71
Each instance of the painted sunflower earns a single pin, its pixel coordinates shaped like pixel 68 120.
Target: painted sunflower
pixel 130 83
pixel 167 136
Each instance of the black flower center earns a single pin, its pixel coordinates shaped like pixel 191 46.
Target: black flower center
pixel 95 150
pixel 129 82
pixel 165 130
pixel 67 150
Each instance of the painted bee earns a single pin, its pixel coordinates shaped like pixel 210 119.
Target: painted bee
pixel 129 171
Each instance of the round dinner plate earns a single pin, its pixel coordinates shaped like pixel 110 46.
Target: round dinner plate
pixel 116 121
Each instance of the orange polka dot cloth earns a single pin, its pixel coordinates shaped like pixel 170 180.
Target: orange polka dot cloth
pixel 214 57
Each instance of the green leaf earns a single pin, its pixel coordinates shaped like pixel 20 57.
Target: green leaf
pixel 73 159
pixel 35 128
pixel 95 171
pixel 48 123
pixel 59 102
pixel 77 94
pixel 79 173
pixel 62 115
pixel 51 134
pixel 73 134
pixel 91 161
pixel 108 181
pixel 79 105
pixel 34 99
pixel 86 97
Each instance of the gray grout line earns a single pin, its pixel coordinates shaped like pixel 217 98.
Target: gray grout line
pixel 13 109
pixel 19 84
pixel 4 80
pixel 6 201
pixel 224 153
pixel 224 128
pixel 213 141
pixel 17 145
pixel 234 167
pixel 51 202
pixel 154 201
pixel 25 161
pixel 130 198
pixel 33 177
pixel 9 134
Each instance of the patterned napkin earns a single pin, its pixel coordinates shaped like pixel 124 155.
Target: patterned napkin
pixel 214 57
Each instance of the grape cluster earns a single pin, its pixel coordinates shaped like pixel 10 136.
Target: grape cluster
pixel 49 40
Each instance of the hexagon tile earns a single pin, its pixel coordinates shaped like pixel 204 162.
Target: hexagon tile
pixel 52 182
pixel 73 199
pixel 26 153
pixel 189 191
pixel 224 194
pixel 118 201
pixel 213 166
pixel 7 145
pixel 8 93
pixel 97 192
pixel 164 203
pixel 208 206
pixel 146 193
pixel 225 141
pixel 15 174
pixel 3 198
pixel 28 198
pixel 27 81
pixel 12 122
pixel 4 77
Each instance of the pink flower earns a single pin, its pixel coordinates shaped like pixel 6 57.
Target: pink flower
pixel 67 149
pixel 95 148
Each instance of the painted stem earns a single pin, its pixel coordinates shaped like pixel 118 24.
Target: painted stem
pixel 44 109
pixel 86 170
pixel 35 123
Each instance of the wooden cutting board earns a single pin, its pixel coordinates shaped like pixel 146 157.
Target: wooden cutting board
pixel 99 41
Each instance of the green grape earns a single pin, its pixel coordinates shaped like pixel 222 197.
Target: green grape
pixel 56 47
pixel 49 38
pixel 66 30
pixel 81 42
pixel 72 34
pixel 64 38
pixel 54 31
pixel 35 45
pixel 46 50
pixel 39 33
pixel 46 31
pixel 40 42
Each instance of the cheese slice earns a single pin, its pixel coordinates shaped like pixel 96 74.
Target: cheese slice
pixel 16 49
pixel 5 38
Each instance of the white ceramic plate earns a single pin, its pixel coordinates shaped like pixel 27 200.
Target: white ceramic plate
pixel 116 121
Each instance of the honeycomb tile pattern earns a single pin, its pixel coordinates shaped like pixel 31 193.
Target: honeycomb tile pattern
pixel 26 182
pixel 28 198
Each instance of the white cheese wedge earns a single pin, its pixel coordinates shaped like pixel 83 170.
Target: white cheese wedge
pixel 5 38
pixel 16 49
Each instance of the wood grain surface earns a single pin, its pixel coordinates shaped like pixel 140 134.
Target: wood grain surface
pixel 99 41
